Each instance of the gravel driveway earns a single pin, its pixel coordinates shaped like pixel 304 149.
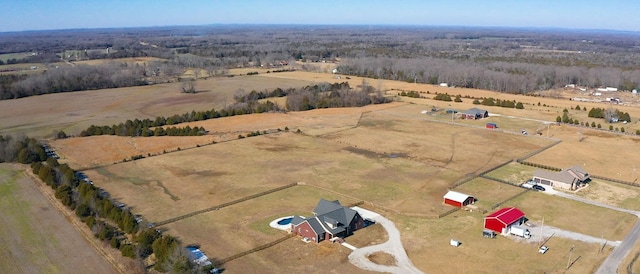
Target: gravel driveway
pixel 392 246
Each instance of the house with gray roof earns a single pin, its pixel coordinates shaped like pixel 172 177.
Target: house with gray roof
pixel 330 220
pixel 474 113
pixel 569 178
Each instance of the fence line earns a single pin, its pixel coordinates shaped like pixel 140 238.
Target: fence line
pixel 224 204
pixel 256 249
pixel 536 152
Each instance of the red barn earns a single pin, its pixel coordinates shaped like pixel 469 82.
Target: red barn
pixel 458 199
pixel 502 219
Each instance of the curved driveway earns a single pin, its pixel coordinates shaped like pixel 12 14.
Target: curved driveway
pixel 392 246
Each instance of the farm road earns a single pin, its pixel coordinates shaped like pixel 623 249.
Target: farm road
pixel 613 261
pixel 392 246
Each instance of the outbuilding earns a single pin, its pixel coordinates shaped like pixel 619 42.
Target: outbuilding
pixel 458 199
pixel 492 125
pixel 502 220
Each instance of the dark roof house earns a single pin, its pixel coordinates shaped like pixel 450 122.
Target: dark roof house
pixel 330 220
pixel 474 113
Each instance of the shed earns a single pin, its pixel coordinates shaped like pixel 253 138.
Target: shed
pixel 492 125
pixel 501 220
pixel 458 199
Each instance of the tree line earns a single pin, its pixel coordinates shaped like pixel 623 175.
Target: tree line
pixel 323 95
pixel 334 96
pixel 74 78
pixel 110 221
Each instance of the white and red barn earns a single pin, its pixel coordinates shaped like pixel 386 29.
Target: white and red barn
pixel 502 220
pixel 458 199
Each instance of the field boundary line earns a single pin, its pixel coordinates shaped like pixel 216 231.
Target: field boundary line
pixel 217 207
pixel 256 249
pixel 427 119
pixel 372 204
pixel 633 184
pixel 73 220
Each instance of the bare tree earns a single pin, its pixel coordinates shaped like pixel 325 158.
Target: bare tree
pixel 189 86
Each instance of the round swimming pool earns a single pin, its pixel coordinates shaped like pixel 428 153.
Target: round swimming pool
pixel 285 221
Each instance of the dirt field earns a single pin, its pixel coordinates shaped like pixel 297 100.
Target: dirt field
pixel 32 228
pixel 39 116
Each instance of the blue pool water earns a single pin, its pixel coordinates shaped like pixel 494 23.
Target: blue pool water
pixel 285 221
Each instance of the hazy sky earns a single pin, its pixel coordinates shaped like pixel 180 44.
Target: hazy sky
pixel 17 15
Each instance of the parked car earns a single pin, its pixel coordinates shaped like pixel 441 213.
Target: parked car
pixel 539 188
pixel 543 249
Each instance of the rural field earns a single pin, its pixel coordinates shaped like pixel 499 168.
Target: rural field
pixel 394 158
pixel 36 238
pixel 76 111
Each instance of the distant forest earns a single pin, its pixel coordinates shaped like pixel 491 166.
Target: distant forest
pixel 501 59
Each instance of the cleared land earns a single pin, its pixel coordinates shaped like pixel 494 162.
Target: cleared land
pixel 75 111
pixel 35 237
pixel 393 157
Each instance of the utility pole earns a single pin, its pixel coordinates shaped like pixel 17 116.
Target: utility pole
pixel 570 253
pixel 541 234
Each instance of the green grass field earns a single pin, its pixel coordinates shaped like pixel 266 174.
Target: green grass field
pixel 35 237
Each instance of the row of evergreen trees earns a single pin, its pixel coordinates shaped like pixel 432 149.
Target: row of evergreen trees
pixel 499 103
pixel 110 221
pixel 245 104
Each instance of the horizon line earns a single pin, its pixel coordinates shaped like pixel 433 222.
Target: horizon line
pixel 330 25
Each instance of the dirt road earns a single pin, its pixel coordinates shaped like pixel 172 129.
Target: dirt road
pixel 392 246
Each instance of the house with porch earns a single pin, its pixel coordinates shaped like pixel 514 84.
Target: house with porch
pixel 474 113
pixel 330 220
pixel 569 178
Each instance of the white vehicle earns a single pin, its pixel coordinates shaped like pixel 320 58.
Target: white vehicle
pixel 528 184
pixel 520 231
pixel 543 249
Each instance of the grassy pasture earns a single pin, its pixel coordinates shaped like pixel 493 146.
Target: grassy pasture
pixel 561 213
pixel 246 225
pixel 173 184
pixel 488 192
pixel 592 149
pixel 35 237
pixel 39 116
pixel 424 239
pixel 612 193
pixel 77 151
pixel 514 173
pixel 395 158
pixel 17 55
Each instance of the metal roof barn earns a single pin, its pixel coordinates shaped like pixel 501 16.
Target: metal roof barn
pixel 458 199
pixel 501 220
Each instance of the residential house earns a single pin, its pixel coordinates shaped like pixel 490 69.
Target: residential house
pixel 474 113
pixel 329 220
pixel 570 178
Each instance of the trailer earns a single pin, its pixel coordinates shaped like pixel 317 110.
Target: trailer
pixel 520 231
pixel 492 125
pixel 488 233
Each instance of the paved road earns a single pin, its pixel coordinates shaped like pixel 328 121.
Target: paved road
pixel 612 263
pixel 392 246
